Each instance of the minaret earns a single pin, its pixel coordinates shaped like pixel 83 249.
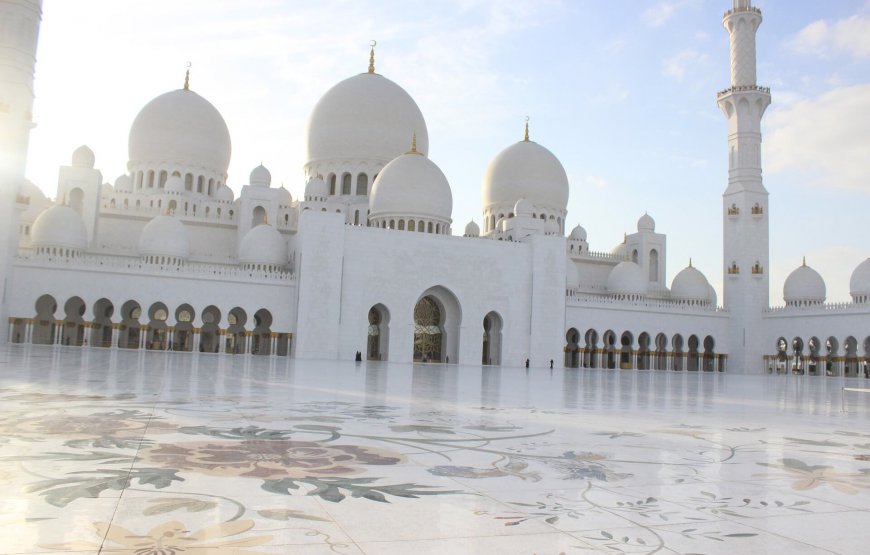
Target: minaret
pixel 745 209
pixel 17 60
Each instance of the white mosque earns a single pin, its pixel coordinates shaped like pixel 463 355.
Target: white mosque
pixel 167 258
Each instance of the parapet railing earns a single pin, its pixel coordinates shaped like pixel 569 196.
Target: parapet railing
pixel 135 265
pixel 578 297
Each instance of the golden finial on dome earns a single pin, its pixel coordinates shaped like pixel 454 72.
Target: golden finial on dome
pixel 690 262
pixel 414 145
pixel 373 43
pixel 526 136
pixel 187 77
pixel 805 261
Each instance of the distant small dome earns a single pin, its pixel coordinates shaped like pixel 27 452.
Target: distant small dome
pixel 472 229
pixel 83 157
pixel 260 177
pixel 619 251
pixel 523 208
pixel 646 223
pixel 578 234
pixel 164 235
pixel 690 285
pixel 572 275
pixel 411 186
pixel 29 190
pixel 804 285
pixel 59 226
pixel 525 170
pixel 106 189
pixel 859 284
pixel 627 278
pixel 174 184
pixel 224 194
pixel 124 184
pixel 284 197
pixel 265 245
pixel 315 189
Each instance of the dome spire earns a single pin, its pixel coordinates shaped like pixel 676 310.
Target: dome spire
pixel 187 77
pixel 373 43
pixel 805 261
pixel 690 262
pixel 414 145
pixel 526 135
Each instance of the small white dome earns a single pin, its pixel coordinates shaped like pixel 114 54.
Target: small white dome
pixel 106 189
pixel 526 170
pixel 578 234
pixel 284 197
pixel 59 226
pixel 572 275
pixel 690 285
pixel 804 285
pixel 627 278
pixel 124 184
pixel 260 177
pixel 83 157
pixel 224 194
pixel 411 186
pixel 29 190
pixel 164 236
pixel 646 223
pixel 619 251
pixel 263 245
pixel 174 184
pixel 859 283
pixel 523 208
pixel 472 229
pixel 316 189
pixel 364 117
pixel 180 128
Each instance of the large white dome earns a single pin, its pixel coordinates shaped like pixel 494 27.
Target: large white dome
pixel 859 283
pixel 180 128
pixel 265 245
pixel 690 285
pixel 316 190
pixel 365 117
pixel 627 278
pixel 804 285
pixel 164 236
pixel 526 170
pixel 411 186
pixel 59 226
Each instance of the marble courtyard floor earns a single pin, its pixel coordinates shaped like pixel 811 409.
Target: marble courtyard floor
pixel 106 451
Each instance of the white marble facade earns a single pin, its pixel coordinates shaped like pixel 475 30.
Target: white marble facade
pixel 167 258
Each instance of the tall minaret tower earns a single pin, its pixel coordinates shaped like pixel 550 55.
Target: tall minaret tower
pixel 19 29
pixel 745 209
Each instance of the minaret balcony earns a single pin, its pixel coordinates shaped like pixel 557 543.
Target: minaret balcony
pixel 741 9
pixel 743 88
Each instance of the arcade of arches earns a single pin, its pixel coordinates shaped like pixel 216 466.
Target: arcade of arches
pixel 814 357
pixel 136 327
pixel 610 350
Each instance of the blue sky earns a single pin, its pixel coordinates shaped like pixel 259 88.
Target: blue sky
pixel 622 91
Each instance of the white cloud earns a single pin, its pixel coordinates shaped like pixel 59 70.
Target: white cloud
pixel 683 62
pixel 595 181
pixel 824 138
pixel 664 11
pixel 846 36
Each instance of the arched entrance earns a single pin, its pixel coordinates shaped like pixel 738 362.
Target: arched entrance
pixel 709 354
pixel 832 348
pixel 156 338
pixel 610 349
pixel 643 353
pixel 261 340
pixel 209 334
pixel 235 343
pixel 572 348
pixel 101 335
pixel 182 338
pixel 693 359
pixel 130 327
pixel 625 351
pixel 492 325
pixel 437 317
pixel 590 356
pixel 378 341
pixel 44 325
pixel 73 323
pixel 677 352
pixel 661 352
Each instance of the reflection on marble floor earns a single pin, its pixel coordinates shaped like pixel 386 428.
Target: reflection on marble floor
pixel 107 451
